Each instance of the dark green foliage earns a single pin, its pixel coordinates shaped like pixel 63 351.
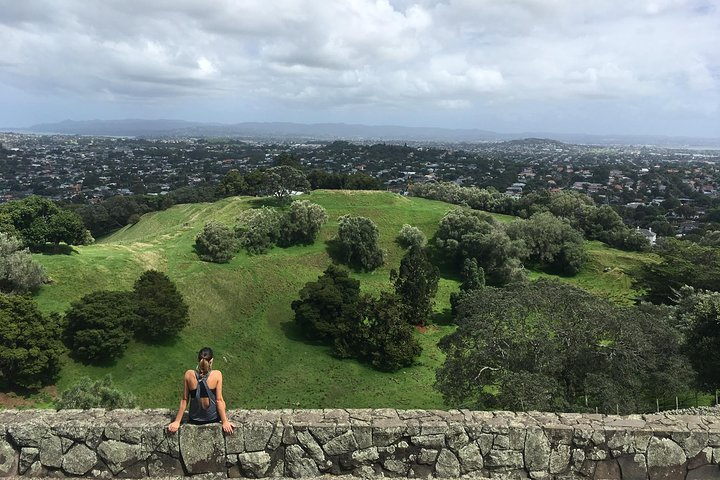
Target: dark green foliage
pixel 466 234
pixel 473 276
pixel 99 326
pixel 343 181
pixel 258 229
pixel 232 184
pixel 683 263
pixel 19 273
pixel 86 393
pixel 550 242
pixel 302 223
pixel 216 243
pixel 542 345
pixel 700 312
pixel 358 243
pixel 388 340
pixel 416 284
pixel 30 343
pixel 161 308
pixel 282 181
pixel 326 307
pixel 410 236
pixel 39 220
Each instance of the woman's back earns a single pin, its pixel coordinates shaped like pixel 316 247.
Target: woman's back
pixel 202 393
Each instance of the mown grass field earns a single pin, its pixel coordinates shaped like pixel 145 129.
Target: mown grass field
pixel 242 309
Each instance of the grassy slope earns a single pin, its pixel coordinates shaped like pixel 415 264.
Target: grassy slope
pixel 242 309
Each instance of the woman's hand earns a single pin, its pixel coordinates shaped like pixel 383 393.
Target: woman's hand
pixel 173 427
pixel 228 427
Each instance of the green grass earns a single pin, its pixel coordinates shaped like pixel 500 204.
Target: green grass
pixel 242 309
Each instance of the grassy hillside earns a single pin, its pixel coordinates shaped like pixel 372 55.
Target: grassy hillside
pixel 242 309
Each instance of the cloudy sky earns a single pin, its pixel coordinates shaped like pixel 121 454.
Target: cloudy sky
pixel 579 66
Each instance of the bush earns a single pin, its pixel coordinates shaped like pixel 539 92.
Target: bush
pixel 416 284
pixel 161 308
pixel 19 273
pixel 410 236
pixel 302 223
pixel 358 242
pixel 30 343
pixel 102 393
pixel 99 326
pixel 216 243
pixel 258 229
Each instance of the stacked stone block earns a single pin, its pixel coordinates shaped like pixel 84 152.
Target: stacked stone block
pixel 364 443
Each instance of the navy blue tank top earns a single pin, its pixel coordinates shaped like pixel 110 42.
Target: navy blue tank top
pixel 199 414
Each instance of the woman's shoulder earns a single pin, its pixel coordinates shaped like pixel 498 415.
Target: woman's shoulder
pixel 189 373
pixel 215 373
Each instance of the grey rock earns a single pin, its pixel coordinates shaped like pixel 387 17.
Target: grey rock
pixel 447 464
pixel 427 456
pixel 119 455
pixel 663 452
pixel 235 443
pixel 384 436
pixel 485 442
pixel 607 470
pixel 163 465
pixel 559 459
pixel 158 439
pixel 28 456
pixel 363 436
pixel 429 441
pixel 341 444
pixel 364 456
pixel 517 438
pixel 297 465
pixel 505 459
pixel 470 458
pixel 51 451
pixel 276 438
pixel 324 433
pixel 289 437
pixel 254 463
pixel 633 467
pixel 27 434
pixel 691 442
pixel 501 442
pixel 706 472
pixel 702 458
pixel 396 466
pixel 456 437
pixel 202 448
pixel 35 470
pixel 123 433
pixel 311 446
pixel 537 450
pixel 597 454
pixel 79 460
pixel 257 436
pixel 8 459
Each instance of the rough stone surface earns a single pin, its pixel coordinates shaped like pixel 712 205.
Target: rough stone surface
pixel 297 465
pixel 79 460
pixel 51 451
pixel 28 456
pixel 344 443
pixel 537 450
pixel 8 459
pixel 254 464
pixel 118 455
pixel 447 464
pixel 203 450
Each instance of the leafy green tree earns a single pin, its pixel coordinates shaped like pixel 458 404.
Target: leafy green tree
pixel 19 273
pixel 216 243
pixel 327 310
pixel 87 393
pixel 30 343
pixel 550 242
pixel 258 229
pixel 472 275
pixel 388 340
pixel 700 311
pixel 162 310
pixel 416 284
pixel 410 236
pixel 358 243
pixel 66 226
pixel 233 183
pixel 302 223
pixel 99 326
pixel 282 181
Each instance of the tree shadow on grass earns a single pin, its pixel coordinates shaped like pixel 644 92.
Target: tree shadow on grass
pixel 444 318
pixel 267 202
pixel 59 249
pixel 293 332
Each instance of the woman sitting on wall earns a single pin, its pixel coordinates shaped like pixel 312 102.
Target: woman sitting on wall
pixel 203 386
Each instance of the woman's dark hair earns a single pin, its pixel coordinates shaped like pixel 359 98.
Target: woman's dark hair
pixel 205 356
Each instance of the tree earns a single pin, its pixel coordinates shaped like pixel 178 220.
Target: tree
pixel 99 325
pixel 700 311
pixel 410 236
pixel 86 394
pixel 358 243
pixel 161 308
pixel 258 229
pixel 19 273
pixel 472 275
pixel 416 284
pixel 233 183
pixel 30 343
pixel 388 340
pixel 282 181
pixel 327 310
pixel 216 243
pixel 302 223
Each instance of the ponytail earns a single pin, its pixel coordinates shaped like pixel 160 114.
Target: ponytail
pixel 205 357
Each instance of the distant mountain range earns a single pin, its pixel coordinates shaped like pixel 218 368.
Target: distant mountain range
pixel 284 131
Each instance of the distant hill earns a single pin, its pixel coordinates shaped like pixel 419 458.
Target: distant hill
pixel 286 131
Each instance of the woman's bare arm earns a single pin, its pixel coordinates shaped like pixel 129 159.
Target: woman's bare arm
pixel 174 426
pixel 226 426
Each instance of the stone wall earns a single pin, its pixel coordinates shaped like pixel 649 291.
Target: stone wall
pixel 368 443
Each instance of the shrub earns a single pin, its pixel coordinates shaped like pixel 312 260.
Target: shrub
pixel 258 229
pixel 30 343
pixel 358 242
pixel 416 284
pixel 216 243
pixel 410 236
pixel 99 326
pixel 302 223
pixel 161 308
pixel 102 393
pixel 19 273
